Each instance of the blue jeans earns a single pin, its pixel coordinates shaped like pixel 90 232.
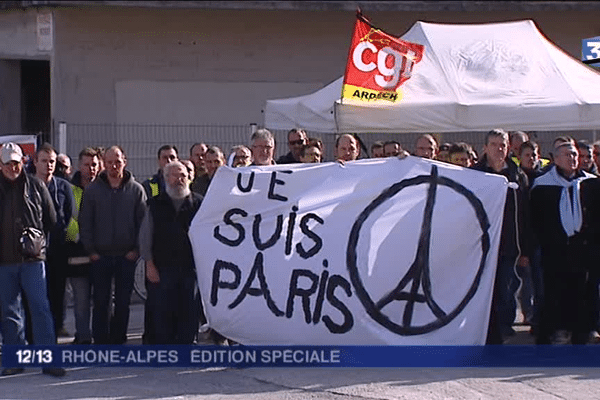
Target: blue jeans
pixel 30 277
pixel 81 295
pixel 107 327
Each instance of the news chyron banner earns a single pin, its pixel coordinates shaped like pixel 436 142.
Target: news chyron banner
pixel 372 252
pixel 193 356
pixel 378 64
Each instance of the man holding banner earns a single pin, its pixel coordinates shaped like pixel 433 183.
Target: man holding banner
pixel 565 217
pixel 514 240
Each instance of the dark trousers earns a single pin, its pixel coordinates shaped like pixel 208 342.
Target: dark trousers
pixel 149 307
pixel 56 278
pixel 111 327
pixel 537 284
pixel 504 304
pixel 176 313
pixel 570 298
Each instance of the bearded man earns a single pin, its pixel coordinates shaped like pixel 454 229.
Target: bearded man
pixel 166 247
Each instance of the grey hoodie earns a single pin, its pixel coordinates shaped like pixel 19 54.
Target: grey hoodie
pixel 110 219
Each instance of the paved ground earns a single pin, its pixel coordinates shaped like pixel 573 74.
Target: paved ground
pixel 294 383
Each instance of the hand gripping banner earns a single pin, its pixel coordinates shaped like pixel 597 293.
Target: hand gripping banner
pixel 378 64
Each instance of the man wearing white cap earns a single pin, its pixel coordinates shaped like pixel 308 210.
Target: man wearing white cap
pixel 25 206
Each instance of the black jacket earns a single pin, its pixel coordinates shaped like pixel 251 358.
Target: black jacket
pixel 171 247
pixel 516 228
pixel 155 185
pixel 64 205
pixel 546 219
pixel 287 159
pixel 36 210
pixel 109 219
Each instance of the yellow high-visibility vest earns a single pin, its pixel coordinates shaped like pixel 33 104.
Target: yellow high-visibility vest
pixel 73 227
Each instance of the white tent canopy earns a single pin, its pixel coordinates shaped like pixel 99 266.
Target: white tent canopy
pixel 313 112
pixel 471 78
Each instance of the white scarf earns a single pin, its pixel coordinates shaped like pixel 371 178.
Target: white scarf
pixel 571 215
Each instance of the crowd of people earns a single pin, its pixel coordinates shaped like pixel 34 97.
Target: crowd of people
pixel 98 221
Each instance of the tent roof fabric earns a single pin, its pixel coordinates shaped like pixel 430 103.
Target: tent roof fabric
pixel 473 77
pixel 313 112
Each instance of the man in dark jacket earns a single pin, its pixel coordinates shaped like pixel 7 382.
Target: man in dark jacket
pixel 24 203
pixel 109 221
pixel 565 209
pixel 213 159
pixel 165 246
pixel 156 185
pixel 514 244
pixel 79 262
pixel 153 187
pixel 531 292
pixel 296 139
pixel 64 203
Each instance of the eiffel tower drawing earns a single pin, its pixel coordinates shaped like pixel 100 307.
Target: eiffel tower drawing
pixel 415 286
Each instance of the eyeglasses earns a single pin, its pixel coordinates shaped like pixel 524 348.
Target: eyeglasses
pixel 297 142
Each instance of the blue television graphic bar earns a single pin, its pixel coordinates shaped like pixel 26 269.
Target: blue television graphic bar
pixel 301 356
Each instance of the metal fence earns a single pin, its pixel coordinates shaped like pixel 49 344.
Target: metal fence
pixel 141 141
pixel 477 139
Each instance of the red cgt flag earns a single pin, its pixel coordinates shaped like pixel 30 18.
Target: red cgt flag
pixel 378 63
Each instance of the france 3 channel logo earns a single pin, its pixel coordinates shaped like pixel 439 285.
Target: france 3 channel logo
pixel 590 51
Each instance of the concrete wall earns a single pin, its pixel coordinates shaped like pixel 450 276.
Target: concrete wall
pixel 124 54
pixel 205 66
pixel 190 102
pixel 106 55
pixel 10 97
pixel 111 63
pixel 18 40
pixel 18 35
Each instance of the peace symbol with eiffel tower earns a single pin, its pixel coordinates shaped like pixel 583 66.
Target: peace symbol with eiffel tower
pixel 418 275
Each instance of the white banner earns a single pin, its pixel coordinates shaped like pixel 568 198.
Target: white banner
pixel 373 252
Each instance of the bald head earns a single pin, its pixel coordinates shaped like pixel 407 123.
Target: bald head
pixel 346 148
pixel 115 162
